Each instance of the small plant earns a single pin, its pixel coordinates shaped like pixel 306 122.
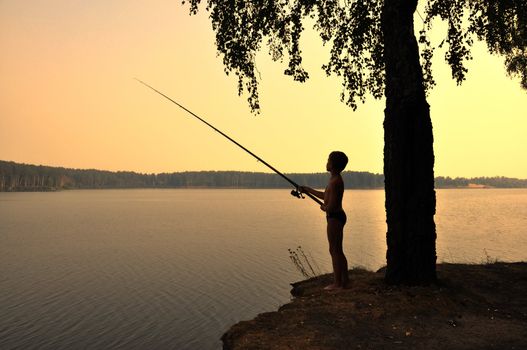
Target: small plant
pixel 488 259
pixel 303 263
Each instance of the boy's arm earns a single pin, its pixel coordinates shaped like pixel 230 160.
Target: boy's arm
pixel 305 189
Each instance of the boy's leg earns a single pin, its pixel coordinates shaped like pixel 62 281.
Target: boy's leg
pixel 340 263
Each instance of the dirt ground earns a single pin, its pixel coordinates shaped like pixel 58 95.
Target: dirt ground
pixel 471 307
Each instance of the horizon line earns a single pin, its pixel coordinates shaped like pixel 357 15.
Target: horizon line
pixel 241 171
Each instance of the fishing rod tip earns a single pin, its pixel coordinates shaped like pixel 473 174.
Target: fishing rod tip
pixel 142 82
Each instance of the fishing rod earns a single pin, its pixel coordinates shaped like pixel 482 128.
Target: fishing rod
pixel 296 192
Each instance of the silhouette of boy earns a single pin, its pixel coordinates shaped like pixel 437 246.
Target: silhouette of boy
pixel 335 215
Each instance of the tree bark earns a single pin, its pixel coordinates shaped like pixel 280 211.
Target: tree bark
pixel 408 153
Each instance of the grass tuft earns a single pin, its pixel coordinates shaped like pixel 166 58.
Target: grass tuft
pixel 306 265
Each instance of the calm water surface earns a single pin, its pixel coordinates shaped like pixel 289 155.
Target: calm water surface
pixel 173 269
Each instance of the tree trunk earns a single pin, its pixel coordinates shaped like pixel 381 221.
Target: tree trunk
pixel 408 153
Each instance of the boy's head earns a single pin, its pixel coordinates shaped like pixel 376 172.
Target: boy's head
pixel 337 161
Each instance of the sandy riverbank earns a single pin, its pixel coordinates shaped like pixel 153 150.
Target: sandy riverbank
pixel 471 307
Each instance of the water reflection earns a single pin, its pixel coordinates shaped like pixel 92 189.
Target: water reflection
pixel 175 268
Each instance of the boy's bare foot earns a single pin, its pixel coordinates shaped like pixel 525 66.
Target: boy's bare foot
pixel 332 287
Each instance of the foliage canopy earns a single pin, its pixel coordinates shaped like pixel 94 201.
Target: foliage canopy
pixel 353 31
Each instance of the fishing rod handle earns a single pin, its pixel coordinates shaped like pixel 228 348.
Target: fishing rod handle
pixel 314 198
pixel 298 194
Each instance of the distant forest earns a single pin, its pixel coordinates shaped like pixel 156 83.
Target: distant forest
pixel 25 177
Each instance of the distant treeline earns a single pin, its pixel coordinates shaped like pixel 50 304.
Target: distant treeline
pixel 25 177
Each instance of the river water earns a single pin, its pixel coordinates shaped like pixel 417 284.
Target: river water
pixel 175 268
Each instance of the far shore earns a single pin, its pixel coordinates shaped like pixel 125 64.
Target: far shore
pixel 51 189
pixel 17 177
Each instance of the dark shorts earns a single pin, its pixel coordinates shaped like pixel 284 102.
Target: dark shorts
pixel 339 215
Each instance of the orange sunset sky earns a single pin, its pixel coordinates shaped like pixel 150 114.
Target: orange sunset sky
pixel 68 98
